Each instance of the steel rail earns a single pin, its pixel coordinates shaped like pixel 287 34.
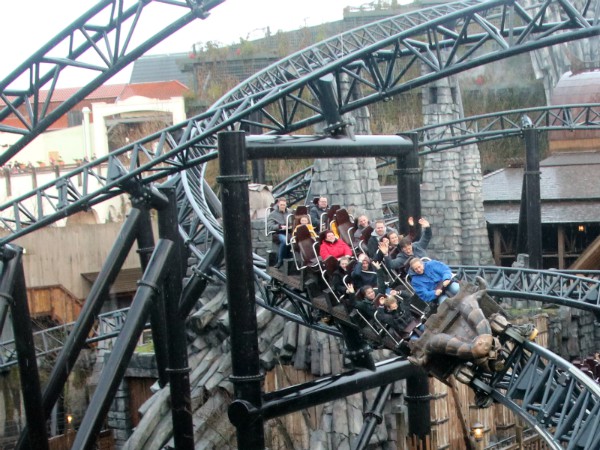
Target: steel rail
pixel 100 42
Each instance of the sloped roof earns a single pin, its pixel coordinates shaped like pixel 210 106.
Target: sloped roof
pixel 569 176
pixel 552 212
pixel 153 68
pixel 163 90
pixel 568 189
pixel 103 92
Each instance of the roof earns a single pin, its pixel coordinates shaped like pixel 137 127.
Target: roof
pixel 159 90
pixel 568 188
pixel 103 92
pixel 153 68
pixel 552 213
pixel 568 176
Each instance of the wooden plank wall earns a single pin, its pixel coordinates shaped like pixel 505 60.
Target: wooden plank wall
pixel 59 255
pixel 55 302
pixel 297 425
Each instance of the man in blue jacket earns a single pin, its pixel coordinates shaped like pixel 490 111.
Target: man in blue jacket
pixel 432 280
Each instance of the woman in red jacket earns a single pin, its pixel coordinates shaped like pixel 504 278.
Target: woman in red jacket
pixel 333 246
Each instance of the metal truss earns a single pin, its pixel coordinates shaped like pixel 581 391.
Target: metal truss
pixel 487 127
pixel 550 394
pixel 376 59
pixel 100 43
pixel 474 130
pixel 548 286
pixel 50 341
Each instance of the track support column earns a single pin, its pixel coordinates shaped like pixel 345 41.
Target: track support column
pixel 408 177
pixel 246 376
pixel 532 198
pixel 419 411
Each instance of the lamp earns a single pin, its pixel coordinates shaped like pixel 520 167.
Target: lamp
pixel 477 431
pixel 581 228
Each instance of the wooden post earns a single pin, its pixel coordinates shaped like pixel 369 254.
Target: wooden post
pixel 497 239
pixel 561 247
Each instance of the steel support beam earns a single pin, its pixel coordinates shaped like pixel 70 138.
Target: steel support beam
pixel 373 418
pixel 419 411
pixel 307 147
pixel 145 241
pixel 246 376
pixel 326 389
pixel 178 370
pixel 533 198
pixel 114 370
pixel 408 176
pixel 90 310
pixel 28 369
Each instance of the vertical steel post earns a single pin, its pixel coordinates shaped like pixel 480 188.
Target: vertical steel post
pixel 258 165
pixel 114 369
pixel 419 411
pixel 28 369
pixel 92 306
pixel 408 175
pixel 372 418
pixel 145 241
pixel 179 370
pixel 532 198
pixel 246 376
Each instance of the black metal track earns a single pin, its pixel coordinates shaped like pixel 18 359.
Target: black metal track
pixel 378 61
pixel 548 286
pixel 551 395
pixel 98 43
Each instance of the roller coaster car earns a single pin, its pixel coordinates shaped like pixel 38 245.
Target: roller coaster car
pixel 468 333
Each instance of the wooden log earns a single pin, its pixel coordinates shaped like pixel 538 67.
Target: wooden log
pixel 315 355
pixel 290 336
pixel 302 355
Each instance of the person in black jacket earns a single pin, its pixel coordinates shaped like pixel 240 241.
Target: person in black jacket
pixel 337 278
pixel 316 211
pixel 395 317
pixel 408 248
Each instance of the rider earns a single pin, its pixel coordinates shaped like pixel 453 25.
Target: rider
pixel 432 280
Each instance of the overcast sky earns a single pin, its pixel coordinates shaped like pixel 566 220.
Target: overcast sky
pixel 30 24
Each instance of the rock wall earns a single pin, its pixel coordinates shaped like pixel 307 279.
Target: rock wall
pixel 451 190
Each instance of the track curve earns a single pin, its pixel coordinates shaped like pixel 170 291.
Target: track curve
pixel 378 58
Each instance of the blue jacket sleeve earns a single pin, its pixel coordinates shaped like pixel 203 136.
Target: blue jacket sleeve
pixel 421 290
pixel 442 271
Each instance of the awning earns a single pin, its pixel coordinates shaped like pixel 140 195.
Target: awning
pixel 126 280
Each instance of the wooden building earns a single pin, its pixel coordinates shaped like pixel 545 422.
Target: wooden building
pixel 570 197
pixel 569 190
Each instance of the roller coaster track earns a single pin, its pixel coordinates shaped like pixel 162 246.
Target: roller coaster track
pixel 101 43
pixel 557 400
pixel 579 290
pixel 473 130
pixel 377 60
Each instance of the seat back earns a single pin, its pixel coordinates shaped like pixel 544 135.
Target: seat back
pixel 383 328
pixel 305 244
pixel 331 212
pixel 344 225
pixel 364 238
pixel 301 210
